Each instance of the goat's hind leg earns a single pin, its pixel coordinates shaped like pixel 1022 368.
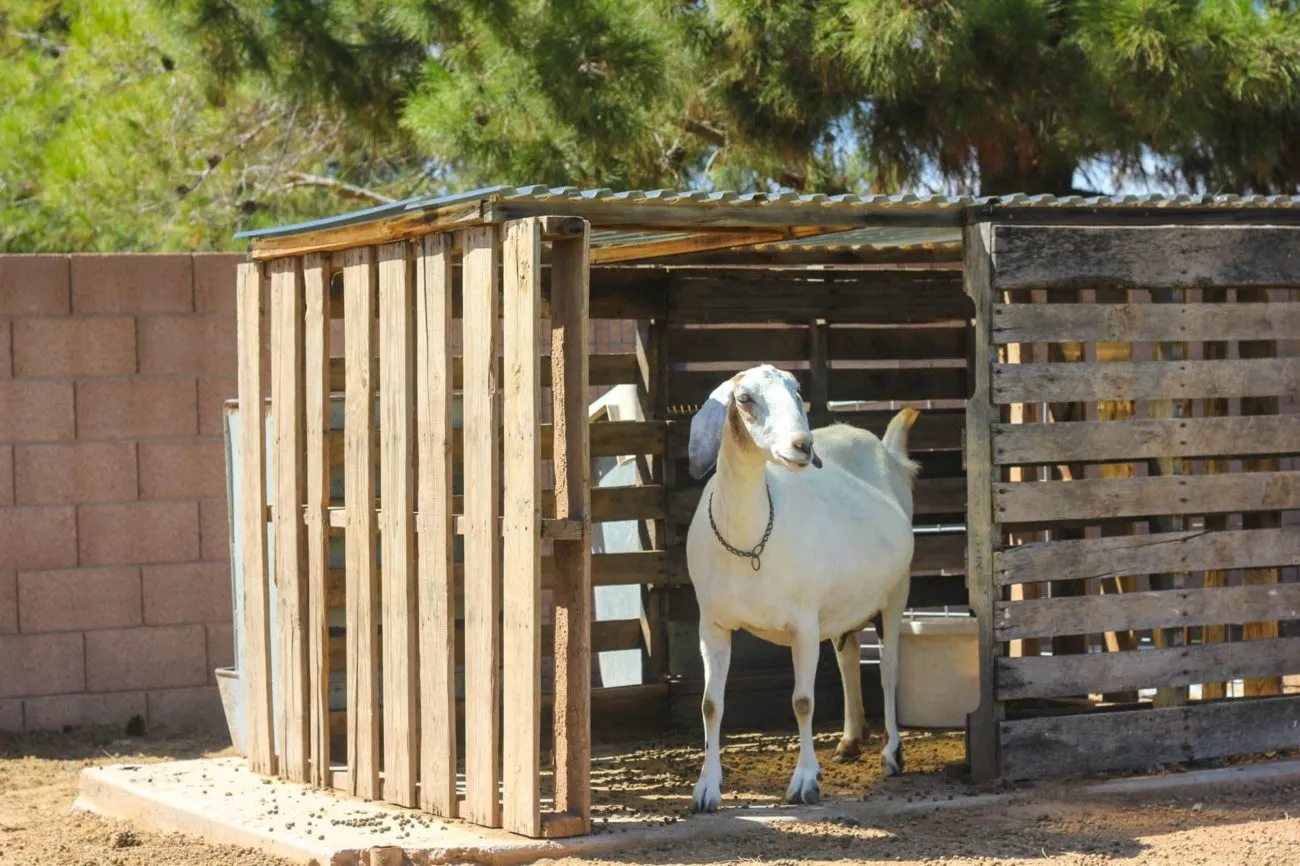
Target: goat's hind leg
pixel 805 785
pixel 715 648
pixel 891 759
pixel 848 652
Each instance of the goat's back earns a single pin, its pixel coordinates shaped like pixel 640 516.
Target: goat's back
pixel 861 453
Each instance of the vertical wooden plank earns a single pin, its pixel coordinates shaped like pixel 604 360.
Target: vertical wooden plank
pixel 818 371
pixel 650 344
pixel 982 532
pixel 1022 413
pixel 1171 408
pixel 255 662
pixel 316 419
pixel 1215 408
pixel 437 588
pixel 522 640
pixel 482 541
pixel 1255 687
pixel 359 492
pixel 569 300
pixel 287 403
pixel 397 527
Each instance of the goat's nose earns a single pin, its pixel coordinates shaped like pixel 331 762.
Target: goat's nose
pixel 802 443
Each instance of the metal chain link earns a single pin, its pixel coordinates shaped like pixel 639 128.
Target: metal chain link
pixel 754 555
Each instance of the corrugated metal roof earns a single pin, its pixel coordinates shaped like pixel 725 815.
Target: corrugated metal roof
pixel 943 208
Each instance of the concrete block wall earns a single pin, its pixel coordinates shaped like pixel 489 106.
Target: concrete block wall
pixel 114 577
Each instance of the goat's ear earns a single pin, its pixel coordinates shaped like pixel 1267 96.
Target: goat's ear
pixel 706 431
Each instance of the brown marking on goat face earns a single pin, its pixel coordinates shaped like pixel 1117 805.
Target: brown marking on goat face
pixel 736 426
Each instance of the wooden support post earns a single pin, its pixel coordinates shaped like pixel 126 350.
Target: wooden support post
pixel 290 554
pixel 1023 413
pixel 1215 578
pixel 316 419
pixel 1258 686
pixel 1167 466
pixel 522 404
pixel 569 338
pixel 983 533
pixel 1117 411
pixel 436 585
pixel 359 491
pixel 650 345
pixel 255 662
pixel 397 529
pixel 819 372
pixel 482 540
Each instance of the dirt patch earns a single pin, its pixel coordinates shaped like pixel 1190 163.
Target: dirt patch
pixel 653 778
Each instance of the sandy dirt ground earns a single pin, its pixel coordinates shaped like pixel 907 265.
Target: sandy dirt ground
pixel 653 778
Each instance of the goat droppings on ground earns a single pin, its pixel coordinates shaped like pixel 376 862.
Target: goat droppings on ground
pixel 124 839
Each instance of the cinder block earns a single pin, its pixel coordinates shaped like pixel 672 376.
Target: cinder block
pixel 213 394
pixel 6 349
pixel 57 712
pixel 214 527
pixel 73 473
pixel 184 594
pixel 202 345
pixel 41 664
pixel 38 537
pixel 194 469
pixel 78 599
pixel 130 283
pixel 152 657
pixel 6 475
pixel 221 648
pixel 11 716
pixel 139 532
pixel 34 286
pixel 76 346
pixel 214 281
pixel 136 408
pixel 187 710
pixel 36 411
pixel 8 602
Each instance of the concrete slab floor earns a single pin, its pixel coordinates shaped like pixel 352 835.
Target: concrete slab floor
pixel 220 800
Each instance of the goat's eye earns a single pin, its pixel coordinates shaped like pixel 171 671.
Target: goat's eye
pixel 742 398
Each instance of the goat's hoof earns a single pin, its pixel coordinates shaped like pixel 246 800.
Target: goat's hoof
pixel 804 788
pixel 847 751
pixel 892 764
pixel 707 798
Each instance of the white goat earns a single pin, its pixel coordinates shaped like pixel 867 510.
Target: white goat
pixel 797 557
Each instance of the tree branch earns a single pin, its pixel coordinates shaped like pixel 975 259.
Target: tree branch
pixel 338 187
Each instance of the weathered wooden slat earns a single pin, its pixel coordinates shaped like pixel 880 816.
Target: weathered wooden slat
pixel 742 346
pixel 522 528
pixel 1063 676
pixel 482 539
pixel 316 423
pixel 932 496
pixel 1088 441
pixel 255 662
pixel 402 227
pixel 605 369
pixel 982 528
pixel 945 552
pixel 288 447
pixel 363 650
pixel 397 478
pixel 437 583
pixel 1137 323
pixel 883 297
pixel 1048 617
pixel 1056 746
pixel 1036 383
pixel 939 383
pixel 1107 498
pixel 573 500
pixel 898 344
pixel 1146 554
pixel 1082 257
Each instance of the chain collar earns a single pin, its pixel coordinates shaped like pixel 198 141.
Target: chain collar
pixel 755 555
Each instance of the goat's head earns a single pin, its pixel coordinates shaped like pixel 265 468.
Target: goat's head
pixel 763 410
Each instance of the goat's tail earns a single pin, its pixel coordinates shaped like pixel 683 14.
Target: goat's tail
pixel 895 440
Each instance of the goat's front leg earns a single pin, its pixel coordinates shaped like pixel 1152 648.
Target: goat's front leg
pixel 715 647
pixel 848 652
pixel 805 786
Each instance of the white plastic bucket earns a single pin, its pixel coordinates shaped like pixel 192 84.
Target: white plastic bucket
pixel 938 671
